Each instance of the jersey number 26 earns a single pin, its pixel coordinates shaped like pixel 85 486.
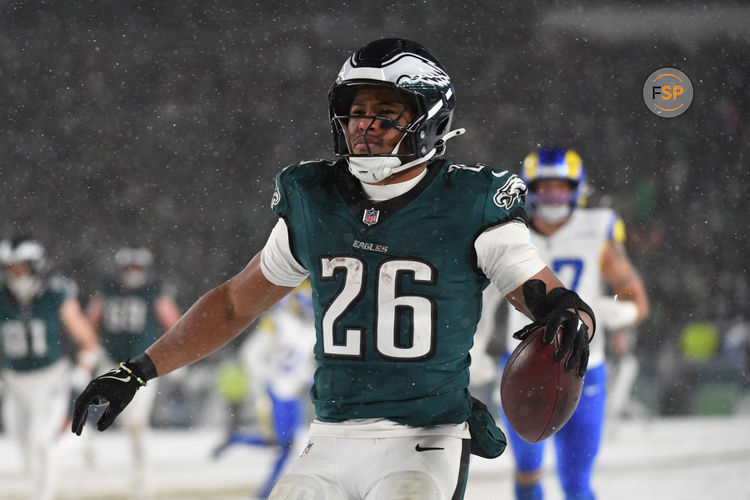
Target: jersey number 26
pixel 388 309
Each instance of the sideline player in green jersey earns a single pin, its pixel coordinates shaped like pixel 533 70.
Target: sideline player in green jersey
pixel 398 246
pixel 36 312
pixel 130 312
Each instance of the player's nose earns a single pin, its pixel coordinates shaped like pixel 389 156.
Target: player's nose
pixel 369 124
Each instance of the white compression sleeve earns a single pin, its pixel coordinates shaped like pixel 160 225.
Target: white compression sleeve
pixel 277 261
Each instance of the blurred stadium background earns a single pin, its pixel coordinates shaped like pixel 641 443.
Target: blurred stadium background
pixel 674 458
pixel 163 123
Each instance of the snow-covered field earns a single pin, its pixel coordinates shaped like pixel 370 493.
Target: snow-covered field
pixel 697 458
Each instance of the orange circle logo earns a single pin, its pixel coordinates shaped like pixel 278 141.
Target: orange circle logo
pixel 668 92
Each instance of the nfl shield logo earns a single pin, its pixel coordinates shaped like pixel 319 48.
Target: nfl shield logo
pixel 371 216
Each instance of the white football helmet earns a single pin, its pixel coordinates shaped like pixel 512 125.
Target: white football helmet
pixel 25 285
pixel 133 265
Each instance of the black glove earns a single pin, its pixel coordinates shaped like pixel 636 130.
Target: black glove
pixel 116 387
pixel 552 313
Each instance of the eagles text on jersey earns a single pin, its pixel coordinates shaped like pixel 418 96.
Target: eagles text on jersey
pixel 397 290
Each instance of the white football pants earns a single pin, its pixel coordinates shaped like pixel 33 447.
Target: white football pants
pixel 390 468
pixel 34 411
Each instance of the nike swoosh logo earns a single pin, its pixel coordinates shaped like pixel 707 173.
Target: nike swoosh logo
pixel 426 448
pixel 123 380
pixel 498 174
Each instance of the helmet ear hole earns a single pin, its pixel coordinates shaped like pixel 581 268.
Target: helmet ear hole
pixel 442 127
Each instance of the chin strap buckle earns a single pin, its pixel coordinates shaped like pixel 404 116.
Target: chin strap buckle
pixel 440 144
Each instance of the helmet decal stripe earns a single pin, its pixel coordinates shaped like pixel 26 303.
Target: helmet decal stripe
pixel 433 110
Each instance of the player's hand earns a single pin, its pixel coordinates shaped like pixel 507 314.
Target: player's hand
pixel 554 311
pixel 116 387
pixel 575 337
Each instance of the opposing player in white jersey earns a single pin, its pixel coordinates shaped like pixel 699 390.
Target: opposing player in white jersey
pixel 279 359
pixel 277 363
pixel 585 248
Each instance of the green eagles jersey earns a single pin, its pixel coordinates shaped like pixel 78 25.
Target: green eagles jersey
pixel 129 324
pixel 31 337
pixel 396 287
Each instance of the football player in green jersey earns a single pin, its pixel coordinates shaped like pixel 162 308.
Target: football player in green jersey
pixel 36 312
pixel 398 245
pixel 130 312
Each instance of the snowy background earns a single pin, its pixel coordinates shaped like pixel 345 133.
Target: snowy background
pixel 696 458
pixel 162 123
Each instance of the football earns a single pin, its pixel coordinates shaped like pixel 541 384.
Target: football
pixel 538 394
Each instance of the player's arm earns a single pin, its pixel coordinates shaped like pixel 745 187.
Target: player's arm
pixel 216 318
pixel 632 304
pixel 167 311
pixel 507 257
pixel 550 280
pixel 95 311
pixel 77 325
pixel 81 331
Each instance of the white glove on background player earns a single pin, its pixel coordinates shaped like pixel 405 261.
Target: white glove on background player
pixel 79 378
pixel 483 368
pixel 82 370
pixel 615 314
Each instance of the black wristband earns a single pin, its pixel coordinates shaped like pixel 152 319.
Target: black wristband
pixel 144 367
pixel 558 299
